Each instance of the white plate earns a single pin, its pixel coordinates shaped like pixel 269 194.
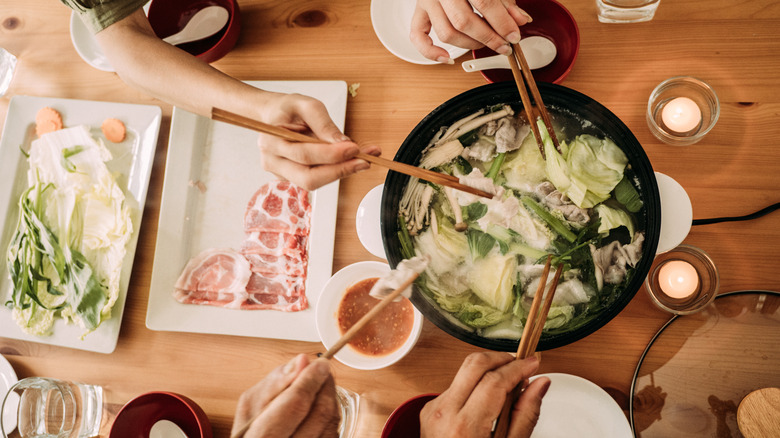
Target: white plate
pixel 133 160
pixel 392 21
pixel 676 213
pixel 7 379
pixel 574 406
pixel 327 323
pixel 226 159
pixel 367 222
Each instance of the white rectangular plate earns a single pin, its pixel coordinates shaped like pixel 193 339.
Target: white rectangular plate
pixel 226 159
pixel 132 163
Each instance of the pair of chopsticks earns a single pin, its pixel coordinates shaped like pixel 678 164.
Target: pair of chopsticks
pixel 346 337
pixel 286 134
pixel 524 78
pixel 532 332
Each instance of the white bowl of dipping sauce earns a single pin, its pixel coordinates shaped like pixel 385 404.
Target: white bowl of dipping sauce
pixel 386 339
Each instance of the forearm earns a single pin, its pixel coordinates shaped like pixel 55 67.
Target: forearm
pixel 145 62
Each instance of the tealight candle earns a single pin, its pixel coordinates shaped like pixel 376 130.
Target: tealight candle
pixel 681 114
pixel 678 279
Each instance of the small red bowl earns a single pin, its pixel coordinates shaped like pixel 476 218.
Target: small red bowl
pixel 170 16
pixel 405 420
pixel 137 417
pixel 552 21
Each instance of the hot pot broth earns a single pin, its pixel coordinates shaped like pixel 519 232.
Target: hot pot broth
pixel 483 279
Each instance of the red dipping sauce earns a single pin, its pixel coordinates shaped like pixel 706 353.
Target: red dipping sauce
pixel 386 332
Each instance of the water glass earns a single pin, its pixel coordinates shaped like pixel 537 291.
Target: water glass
pixel 7 67
pixel 349 407
pixel 626 11
pixel 44 407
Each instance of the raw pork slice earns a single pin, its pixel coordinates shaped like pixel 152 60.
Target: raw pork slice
pixel 279 206
pixel 217 277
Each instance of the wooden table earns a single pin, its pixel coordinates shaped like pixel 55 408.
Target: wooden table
pixel 734 45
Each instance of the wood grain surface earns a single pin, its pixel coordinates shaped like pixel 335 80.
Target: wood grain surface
pixel 734 45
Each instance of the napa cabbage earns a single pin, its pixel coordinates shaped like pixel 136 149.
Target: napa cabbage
pixel 587 169
pixel 67 253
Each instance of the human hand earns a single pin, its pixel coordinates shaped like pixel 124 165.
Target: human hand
pixel 456 23
pixel 296 399
pixel 476 396
pixel 308 165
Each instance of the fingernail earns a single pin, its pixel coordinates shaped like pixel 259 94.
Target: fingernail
pixel 351 152
pixel 530 19
pixel 513 37
pixel 544 389
pixel 445 60
pixel 505 50
pixel 341 137
pixel 362 165
pixel 289 367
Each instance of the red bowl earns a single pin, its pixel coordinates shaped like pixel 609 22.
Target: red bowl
pixel 552 21
pixel 405 420
pixel 137 417
pixel 170 16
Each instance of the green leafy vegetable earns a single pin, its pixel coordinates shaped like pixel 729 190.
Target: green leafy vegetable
pixel 480 243
pixel 556 224
pixel 626 194
pixel 474 211
pixel 495 166
pixel 35 251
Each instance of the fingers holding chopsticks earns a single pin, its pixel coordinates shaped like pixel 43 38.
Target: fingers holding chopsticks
pixel 476 396
pixel 455 22
pixel 312 165
pixel 329 155
pixel 298 397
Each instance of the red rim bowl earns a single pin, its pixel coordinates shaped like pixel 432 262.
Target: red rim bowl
pixel 170 16
pixel 137 417
pixel 552 21
pixel 404 422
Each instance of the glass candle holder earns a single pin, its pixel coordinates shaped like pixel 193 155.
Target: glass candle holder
pixel 682 110
pixel 682 281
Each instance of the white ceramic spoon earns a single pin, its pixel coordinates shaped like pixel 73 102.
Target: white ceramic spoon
pixel 203 24
pixel 538 51
pixel 166 429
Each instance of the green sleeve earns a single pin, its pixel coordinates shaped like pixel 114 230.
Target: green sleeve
pixel 99 14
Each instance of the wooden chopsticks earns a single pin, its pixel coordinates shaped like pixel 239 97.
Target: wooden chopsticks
pixel 286 134
pixel 532 332
pixel 524 78
pixel 346 337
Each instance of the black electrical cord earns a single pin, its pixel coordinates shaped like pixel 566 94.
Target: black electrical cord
pixel 747 217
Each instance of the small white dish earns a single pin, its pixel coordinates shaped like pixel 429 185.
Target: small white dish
pixel 86 45
pixel 327 324
pixel 676 213
pixel 588 410
pixel 392 21
pixel 367 222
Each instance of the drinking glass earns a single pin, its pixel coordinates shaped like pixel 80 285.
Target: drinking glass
pixel 7 67
pixel 626 11
pixel 349 406
pixel 52 408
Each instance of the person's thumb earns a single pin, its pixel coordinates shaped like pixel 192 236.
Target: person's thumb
pixel 526 411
